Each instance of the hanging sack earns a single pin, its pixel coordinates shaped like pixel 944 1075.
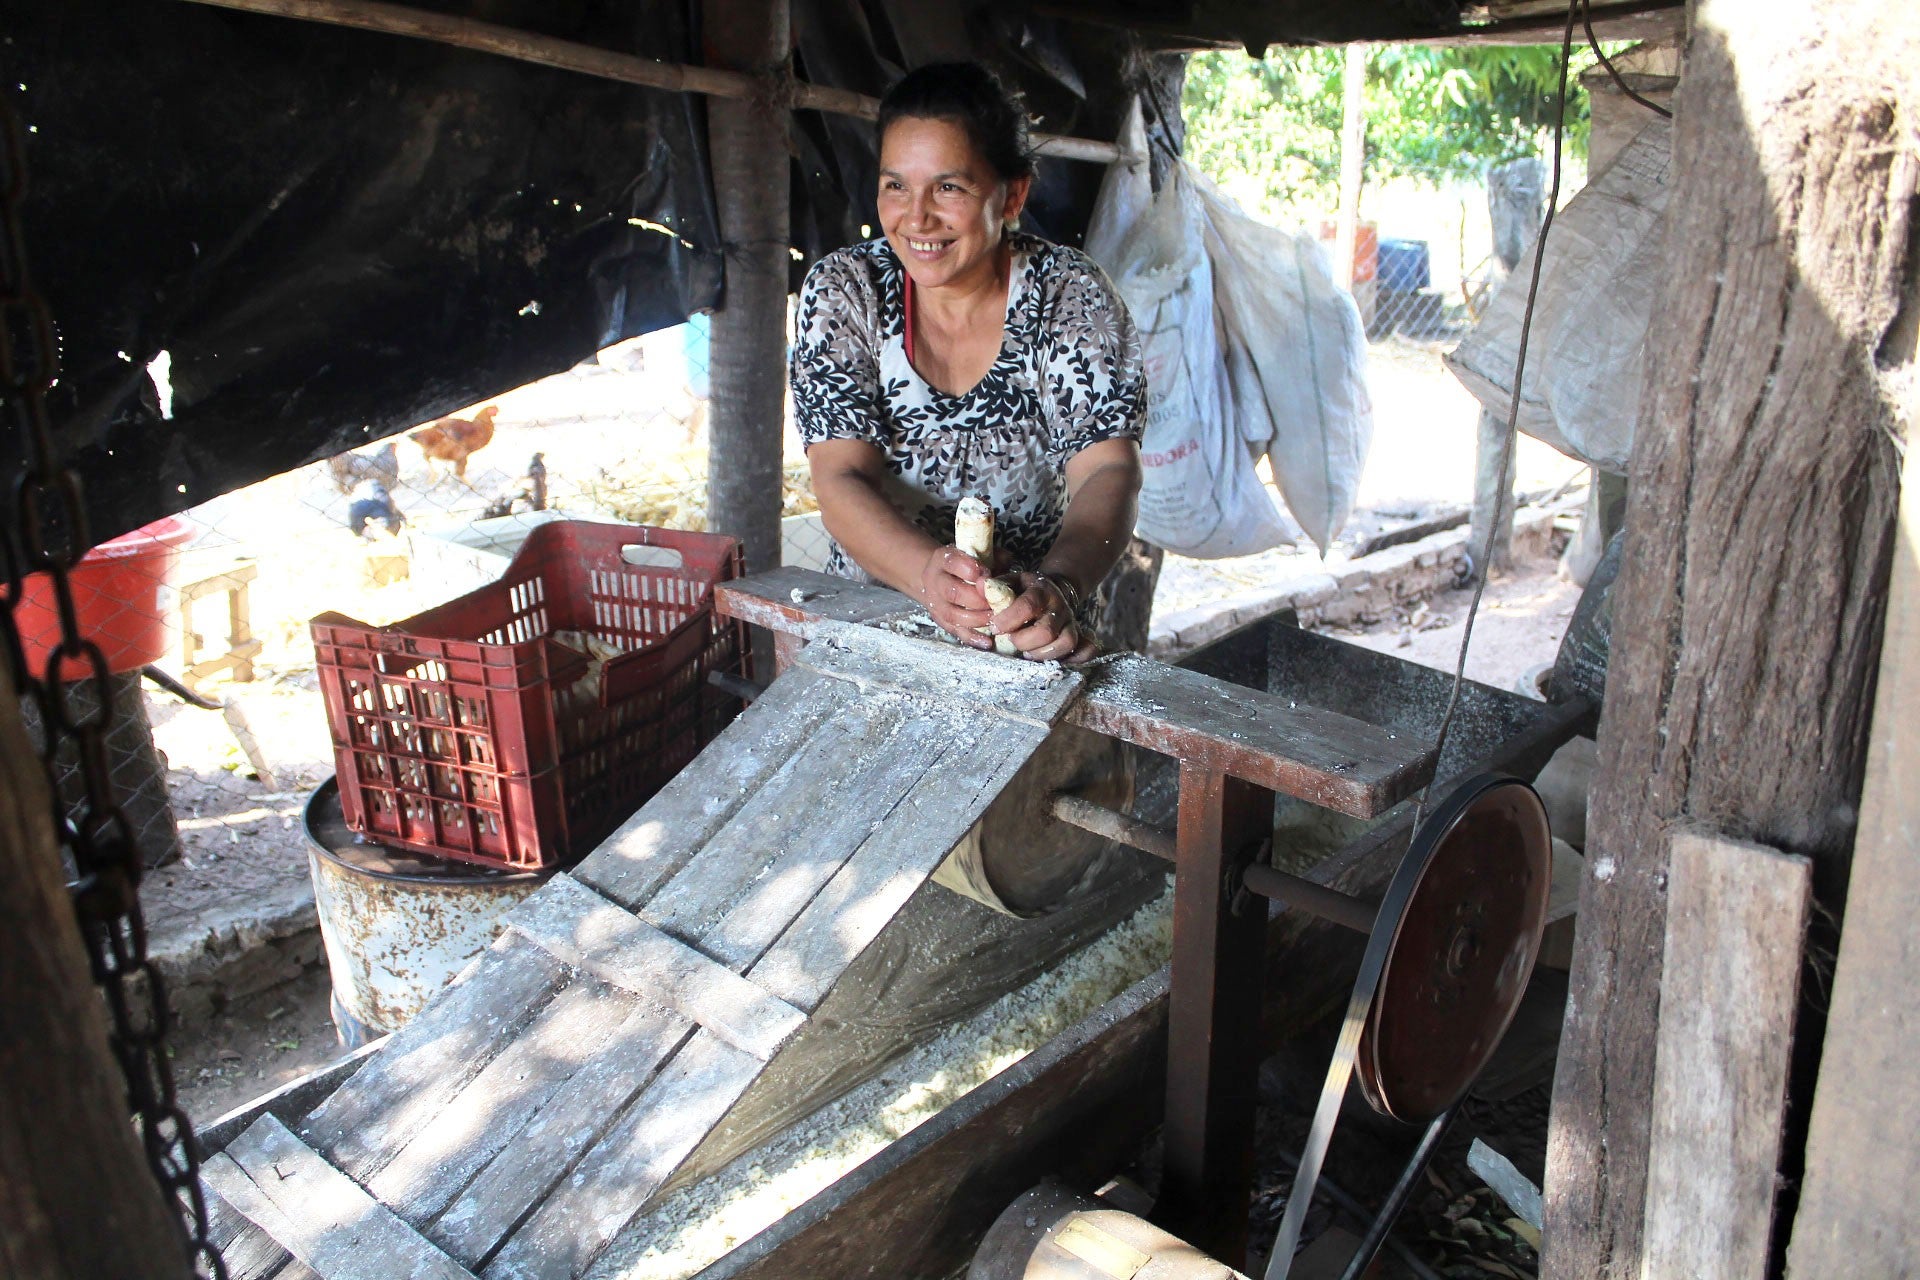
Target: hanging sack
pixel 1597 286
pixel 1296 352
pixel 1199 494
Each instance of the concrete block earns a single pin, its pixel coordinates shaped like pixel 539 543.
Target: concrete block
pixel 1309 593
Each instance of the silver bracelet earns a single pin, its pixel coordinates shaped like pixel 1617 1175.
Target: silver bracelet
pixel 1068 591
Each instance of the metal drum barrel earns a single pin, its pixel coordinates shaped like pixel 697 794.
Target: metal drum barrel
pixel 397 925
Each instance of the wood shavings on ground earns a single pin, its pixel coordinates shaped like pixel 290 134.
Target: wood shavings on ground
pixel 701 1223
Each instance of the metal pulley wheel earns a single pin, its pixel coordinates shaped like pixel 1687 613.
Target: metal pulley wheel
pixel 1448 959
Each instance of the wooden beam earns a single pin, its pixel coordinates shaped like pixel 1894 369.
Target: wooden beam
pixel 1750 601
pixel 586 59
pixel 1862 1173
pixel 1736 928
pixel 1213 1027
pixel 76 1198
pixel 574 924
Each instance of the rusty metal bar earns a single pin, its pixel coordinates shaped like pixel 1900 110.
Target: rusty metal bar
pixel 1213 1018
pixel 1269 882
pixel 739 686
pixel 1314 899
pixel 1114 825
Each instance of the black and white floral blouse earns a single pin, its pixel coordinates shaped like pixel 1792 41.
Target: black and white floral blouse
pixel 1068 375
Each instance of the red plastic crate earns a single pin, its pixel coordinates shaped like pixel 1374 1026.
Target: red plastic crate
pixel 468 731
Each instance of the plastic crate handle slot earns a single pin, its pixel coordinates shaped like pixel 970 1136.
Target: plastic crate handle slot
pixel 641 555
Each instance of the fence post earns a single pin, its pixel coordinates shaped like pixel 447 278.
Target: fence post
pixel 1353 147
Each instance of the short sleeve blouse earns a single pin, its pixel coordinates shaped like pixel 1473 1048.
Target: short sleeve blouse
pixel 1068 375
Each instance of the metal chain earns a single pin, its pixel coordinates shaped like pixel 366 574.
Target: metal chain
pixel 49 535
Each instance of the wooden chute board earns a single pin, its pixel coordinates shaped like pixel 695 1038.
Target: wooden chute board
pixel 552 1092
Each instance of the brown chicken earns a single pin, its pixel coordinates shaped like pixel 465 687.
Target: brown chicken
pixel 454 440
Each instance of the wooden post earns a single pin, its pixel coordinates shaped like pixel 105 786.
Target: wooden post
pixel 1353 154
pixel 1490 541
pixel 76 1198
pixel 1862 1176
pixel 1516 194
pixel 747 141
pixel 1213 1027
pixel 1750 600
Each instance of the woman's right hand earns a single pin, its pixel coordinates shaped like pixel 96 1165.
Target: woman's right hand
pixel 950 588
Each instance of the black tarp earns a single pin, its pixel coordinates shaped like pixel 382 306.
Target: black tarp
pixel 337 234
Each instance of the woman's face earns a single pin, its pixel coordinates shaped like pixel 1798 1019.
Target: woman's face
pixel 942 206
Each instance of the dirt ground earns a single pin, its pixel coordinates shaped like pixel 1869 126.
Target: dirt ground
pixel 1522 617
pixel 258 1043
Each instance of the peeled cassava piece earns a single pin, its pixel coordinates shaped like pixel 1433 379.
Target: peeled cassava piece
pixel 973 534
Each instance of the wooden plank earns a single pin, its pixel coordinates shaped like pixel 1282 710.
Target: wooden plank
pixel 654 844
pixel 617 1178
pixel 1036 693
pixel 1319 756
pixel 786 811
pixel 542 1152
pixel 397 1093
pixel 1327 759
pixel 872 886
pixel 488 1114
pixel 852 806
pixel 320 1214
pixel 1862 1181
pixel 583 929
pixel 1736 924
pixel 290 1101
pixel 765 599
pixel 1078 1106
pixel 245 1247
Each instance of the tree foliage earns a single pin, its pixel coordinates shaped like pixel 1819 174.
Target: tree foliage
pixel 1437 114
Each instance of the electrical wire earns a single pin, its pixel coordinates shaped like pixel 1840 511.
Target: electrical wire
pixel 1586 15
pixel 1502 486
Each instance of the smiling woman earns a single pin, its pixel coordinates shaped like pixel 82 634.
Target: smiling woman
pixel 956 356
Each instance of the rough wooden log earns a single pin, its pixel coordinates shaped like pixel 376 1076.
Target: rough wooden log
pixel 570 55
pixel 76 1199
pixel 747 362
pixel 1749 605
pixel 1861 1180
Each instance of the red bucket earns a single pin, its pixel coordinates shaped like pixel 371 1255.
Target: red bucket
pixel 116 592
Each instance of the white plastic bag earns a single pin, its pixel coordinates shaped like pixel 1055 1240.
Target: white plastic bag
pixel 1590 319
pixel 1296 353
pixel 1199 495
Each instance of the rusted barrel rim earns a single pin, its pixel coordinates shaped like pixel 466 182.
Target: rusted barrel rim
pixel 462 875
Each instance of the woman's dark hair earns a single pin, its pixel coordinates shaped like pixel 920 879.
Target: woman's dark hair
pixel 973 98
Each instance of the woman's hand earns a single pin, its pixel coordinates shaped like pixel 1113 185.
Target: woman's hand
pixel 1041 624
pixel 950 588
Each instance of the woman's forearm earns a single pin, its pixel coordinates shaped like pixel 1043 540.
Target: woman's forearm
pixel 1096 525
pixel 871 529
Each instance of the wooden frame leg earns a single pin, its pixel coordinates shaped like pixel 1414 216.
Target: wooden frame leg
pixel 1213 1027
